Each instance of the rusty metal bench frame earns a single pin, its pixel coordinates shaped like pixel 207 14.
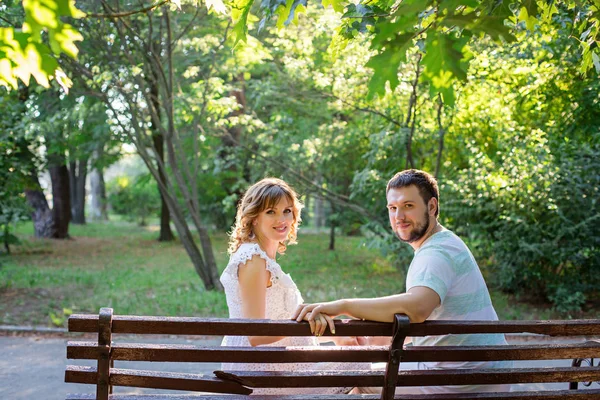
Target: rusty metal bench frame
pixel 238 385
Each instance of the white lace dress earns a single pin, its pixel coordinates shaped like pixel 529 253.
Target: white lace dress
pixel 282 299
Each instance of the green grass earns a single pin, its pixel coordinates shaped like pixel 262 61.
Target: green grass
pixel 120 265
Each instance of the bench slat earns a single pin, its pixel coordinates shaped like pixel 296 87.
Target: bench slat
pixel 545 395
pixel 411 378
pixel 222 326
pixel 156 380
pixel 192 353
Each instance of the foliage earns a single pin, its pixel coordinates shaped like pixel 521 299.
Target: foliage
pixel 540 217
pixel 15 165
pixel 136 200
pixel 443 30
pixel 524 190
pixel 29 48
pixel 13 208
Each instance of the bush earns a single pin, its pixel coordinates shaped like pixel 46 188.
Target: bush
pixel 535 216
pixel 136 200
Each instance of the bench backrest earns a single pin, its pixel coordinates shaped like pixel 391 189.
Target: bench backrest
pixel 106 351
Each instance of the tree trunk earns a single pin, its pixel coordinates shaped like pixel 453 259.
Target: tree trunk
pixel 411 116
pixel 61 209
pixel 98 209
pixel 441 131
pixel 6 238
pixel 227 153
pixel 332 236
pixel 306 216
pixel 158 140
pixel 43 222
pixel 77 176
pixel 166 235
pixel 99 203
pixel 319 212
pixel 332 224
pixel 207 272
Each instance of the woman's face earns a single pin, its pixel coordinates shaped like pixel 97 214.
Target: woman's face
pixel 274 224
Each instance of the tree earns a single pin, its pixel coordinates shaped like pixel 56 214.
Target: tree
pixel 140 49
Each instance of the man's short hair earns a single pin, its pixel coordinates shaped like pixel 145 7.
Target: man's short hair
pixel 425 182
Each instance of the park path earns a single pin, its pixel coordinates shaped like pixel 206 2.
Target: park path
pixel 33 367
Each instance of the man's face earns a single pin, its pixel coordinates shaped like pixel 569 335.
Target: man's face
pixel 408 213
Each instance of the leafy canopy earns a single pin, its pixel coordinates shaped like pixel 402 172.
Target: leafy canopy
pixel 441 29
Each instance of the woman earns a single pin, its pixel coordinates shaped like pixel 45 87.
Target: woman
pixel 255 285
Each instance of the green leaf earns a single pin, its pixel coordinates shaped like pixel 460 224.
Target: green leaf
pixel 445 62
pixel 529 20
pixel 7 78
pixel 67 8
pixel 386 31
pixel 40 14
pixel 63 40
pixel 217 5
pixel 494 27
pixel 531 6
pixel 239 16
pixel 386 63
pixel 441 56
pixel 335 4
pixel 453 5
pixel 412 7
pixel 462 21
pixel 287 13
pixel 596 61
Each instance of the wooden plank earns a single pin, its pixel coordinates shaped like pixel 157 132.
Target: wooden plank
pixel 222 326
pixel 156 380
pixel 88 350
pixel 173 380
pixel 193 353
pixel 412 378
pixel 545 395
pixel 500 353
pixel 80 374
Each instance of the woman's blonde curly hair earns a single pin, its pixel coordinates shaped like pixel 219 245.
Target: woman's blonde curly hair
pixel 264 194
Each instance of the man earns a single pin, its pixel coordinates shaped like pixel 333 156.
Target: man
pixel 443 281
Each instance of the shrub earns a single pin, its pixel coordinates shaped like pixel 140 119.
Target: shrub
pixel 535 216
pixel 136 200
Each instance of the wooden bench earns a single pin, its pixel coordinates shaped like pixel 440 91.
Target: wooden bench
pixel 238 385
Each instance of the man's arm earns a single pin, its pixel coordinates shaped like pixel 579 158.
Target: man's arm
pixel 418 303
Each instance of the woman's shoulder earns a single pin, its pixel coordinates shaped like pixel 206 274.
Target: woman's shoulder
pixel 247 248
pixel 246 252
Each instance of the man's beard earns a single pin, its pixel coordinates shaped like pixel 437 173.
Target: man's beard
pixel 418 232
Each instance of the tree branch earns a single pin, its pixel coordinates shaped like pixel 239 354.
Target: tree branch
pixel 412 115
pixel 127 13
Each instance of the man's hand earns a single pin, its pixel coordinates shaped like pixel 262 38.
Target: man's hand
pixel 319 315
